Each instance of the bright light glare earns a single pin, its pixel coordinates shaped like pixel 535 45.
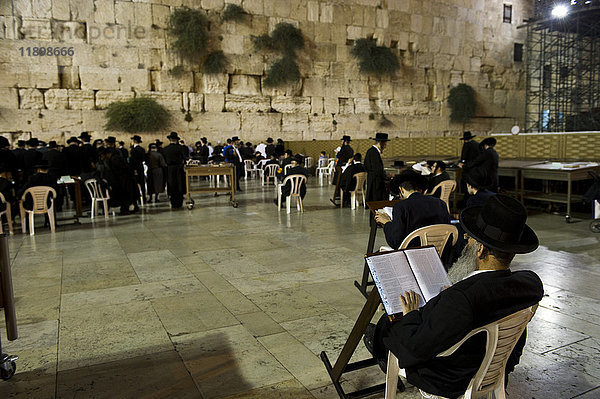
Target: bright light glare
pixel 560 11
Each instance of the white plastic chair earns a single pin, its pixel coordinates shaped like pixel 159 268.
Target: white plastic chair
pixel 308 162
pixel 7 214
pixel 250 169
pixel 436 235
pixel 359 189
pixel 446 187
pixel 269 173
pixel 502 336
pixel 97 195
pixel 327 172
pixel 286 167
pixel 39 194
pixel 296 181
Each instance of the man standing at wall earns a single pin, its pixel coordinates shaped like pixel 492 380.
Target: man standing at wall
pixel 136 161
pixel 174 155
pixel 375 173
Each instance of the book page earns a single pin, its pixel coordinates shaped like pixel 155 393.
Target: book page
pixel 428 269
pixel 393 276
pixel 388 210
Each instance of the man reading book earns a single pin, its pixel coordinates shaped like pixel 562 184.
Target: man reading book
pixel 485 290
pixel 416 211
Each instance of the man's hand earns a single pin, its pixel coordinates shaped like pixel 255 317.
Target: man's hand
pixel 382 218
pixel 460 165
pixel 410 302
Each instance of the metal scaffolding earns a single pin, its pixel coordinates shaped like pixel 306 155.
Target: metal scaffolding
pixel 563 68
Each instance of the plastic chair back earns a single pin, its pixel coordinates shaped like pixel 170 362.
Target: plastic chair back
pixel 8 213
pixel 446 187
pixel 436 235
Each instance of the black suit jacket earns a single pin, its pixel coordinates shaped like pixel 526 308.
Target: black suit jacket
pixel 415 212
pixel 74 160
pixel 488 160
pixel 346 152
pixel 419 336
pixel 435 180
pixel 136 159
pixel 57 162
pixel 347 181
pixel 470 151
pixel 31 158
pixel 479 198
pixel 296 170
pixel 376 190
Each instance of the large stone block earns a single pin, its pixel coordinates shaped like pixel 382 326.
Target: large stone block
pixel 81 10
pixel 97 78
pixel 160 15
pixel 104 98
pixel 346 105
pixel 312 87
pixel 167 82
pixel 220 124
pixel 104 11
pixel 214 83
pixel 213 4
pixel 246 85
pixel 143 14
pixel 31 99
pixel 214 102
pixel 326 14
pixel 291 104
pixel 81 99
pixel 322 124
pixel 196 102
pixel 297 123
pixel 172 101
pixel 56 99
pixel 42 8
pixel 9 98
pixel 233 44
pixel 313 11
pixel 382 19
pixel 261 124
pixel 36 29
pixel 316 105
pixel 362 106
pixel 254 7
pixel 23 8
pixel 61 10
pixel 124 12
pixel 135 79
pixel 239 103
pixel 331 105
pixel 61 125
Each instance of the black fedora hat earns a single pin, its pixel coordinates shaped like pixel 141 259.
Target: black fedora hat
pixel 111 139
pixel 380 137
pixel 488 141
pixel 468 136
pixel 235 138
pixel 346 138
pixel 85 135
pixel 33 142
pixel 269 140
pixel 136 138
pixel 298 158
pixel 500 224
pixel 4 142
pixel 72 139
pixel 418 180
pixel 173 136
pixel 52 144
pixel 477 177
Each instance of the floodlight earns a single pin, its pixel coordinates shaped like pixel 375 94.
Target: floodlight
pixel 560 11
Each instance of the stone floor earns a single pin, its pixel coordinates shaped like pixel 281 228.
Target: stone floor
pixel 222 302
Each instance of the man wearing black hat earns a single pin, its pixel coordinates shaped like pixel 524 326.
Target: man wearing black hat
pixel 120 178
pixel 341 159
pixel 270 148
pixel 438 175
pixel 88 153
pixel 486 291
pixel 376 190
pixel 57 161
pixel 31 158
pixel 19 153
pixel 295 169
pixel 7 157
pixel 174 155
pixel 348 181
pixel 470 149
pixel 488 160
pixel 136 161
pixel 477 181
pixel 416 211
pixel 41 177
pixel 203 152
pixel 233 156
pixel 73 154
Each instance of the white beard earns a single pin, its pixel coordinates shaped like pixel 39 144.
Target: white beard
pixel 466 264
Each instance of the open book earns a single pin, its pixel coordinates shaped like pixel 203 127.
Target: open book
pixel 388 210
pixel 416 269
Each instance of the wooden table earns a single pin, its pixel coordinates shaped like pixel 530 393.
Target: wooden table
pixel 210 170
pixel 512 168
pixel 550 171
pixel 76 183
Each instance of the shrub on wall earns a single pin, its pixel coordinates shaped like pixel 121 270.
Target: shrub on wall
pixel 233 12
pixel 285 39
pixel 461 101
pixel 190 29
pixel 373 59
pixel 137 115
pixel 215 62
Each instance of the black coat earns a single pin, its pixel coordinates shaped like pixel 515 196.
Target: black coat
pixel 376 190
pixel 416 211
pixel 175 158
pixel 74 160
pixel 347 181
pixel 57 162
pixel 136 159
pixel 296 170
pixel 479 198
pixel 31 158
pixel 488 160
pixel 269 150
pixel 8 191
pixel 88 158
pixel 470 151
pixel 344 154
pixel 120 178
pixel 418 337
pixel 435 180
pixel 10 162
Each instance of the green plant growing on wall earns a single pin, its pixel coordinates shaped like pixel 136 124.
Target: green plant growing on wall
pixel 215 62
pixel 285 39
pixel 461 101
pixel 373 59
pixel 190 29
pixel 283 71
pixel 141 114
pixel 233 12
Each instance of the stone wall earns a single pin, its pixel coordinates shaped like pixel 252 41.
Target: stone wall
pixel 121 50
